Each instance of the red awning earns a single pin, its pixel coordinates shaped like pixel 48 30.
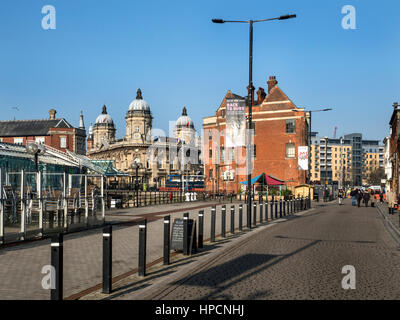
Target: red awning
pixel 271 181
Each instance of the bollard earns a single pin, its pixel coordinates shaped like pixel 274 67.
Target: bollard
pixel 276 209
pixel 272 210
pixel 213 224
pixel 57 264
pixel 255 213
pixel 266 211
pixel 167 230
pixel 284 208
pixel 261 212
pixel 185 234
pixel 142 247
pixel 248 216
pixel 107 259
pixel 201 228
pixel 223 221
pixel 232 219
pixel 240 217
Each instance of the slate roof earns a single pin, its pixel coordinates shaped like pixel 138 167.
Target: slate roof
pixel 24 128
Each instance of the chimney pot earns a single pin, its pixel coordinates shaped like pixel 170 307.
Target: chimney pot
pixel 272 82
pixel 52 114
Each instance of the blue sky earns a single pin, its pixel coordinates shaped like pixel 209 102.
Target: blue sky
pixel 102 51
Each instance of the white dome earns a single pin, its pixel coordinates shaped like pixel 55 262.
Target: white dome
pixel 184 121
pixel 139 104
pixel 104 117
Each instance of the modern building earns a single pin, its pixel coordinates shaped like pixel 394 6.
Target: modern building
pixel 279 129
pixel 157 157
pixel 55 132
pixel 373 159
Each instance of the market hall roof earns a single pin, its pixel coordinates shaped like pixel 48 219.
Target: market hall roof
pixel 24 128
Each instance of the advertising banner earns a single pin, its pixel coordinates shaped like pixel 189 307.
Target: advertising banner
pixel 303 157
pixel 235 135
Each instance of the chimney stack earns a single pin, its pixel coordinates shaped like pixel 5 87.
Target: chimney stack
pixel 272 82
pixel 52 114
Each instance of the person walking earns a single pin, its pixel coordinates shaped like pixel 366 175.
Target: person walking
pixel 359 197
pixel 340 196
pixel 373 199
pixel 353 194
pixel 390 201
pixel 381 196
pixel 366 197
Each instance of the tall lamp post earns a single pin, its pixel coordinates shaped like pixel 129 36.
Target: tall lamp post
pixel 250 89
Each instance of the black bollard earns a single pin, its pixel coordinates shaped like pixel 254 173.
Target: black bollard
pixel 272 210
pixel 261 212
pixel 255 214
pixel 240 217
pixel 213 224
pixel 201 229
pixel 107 259
pixel 57 264
pixel 284 208
pixel 167 228
pixel 266 211
pixel 232 219
pixel 248 217
pixel 185 234
pixel 223 221
pixel 276 209
pixel 142 247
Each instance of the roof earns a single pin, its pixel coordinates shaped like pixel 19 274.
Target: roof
pixel 266 179
pixel 24 128
pixel 108 168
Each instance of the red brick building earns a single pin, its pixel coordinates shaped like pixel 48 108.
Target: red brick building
pixel 394 148
pixel 54 132
pixel 279 129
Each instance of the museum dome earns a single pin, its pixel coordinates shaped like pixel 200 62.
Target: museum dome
pixel 184 121
pixel 104 118
pixel 139 104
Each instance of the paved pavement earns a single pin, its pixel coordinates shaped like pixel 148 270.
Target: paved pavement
pixel 301 258
pixel 21 265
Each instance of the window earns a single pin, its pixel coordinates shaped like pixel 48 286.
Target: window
pixel 209 134
pixel 210 174
pixel 223 113
pixel 290 126
pixel 222 154
pixel 18 140
pixel 39 140
pixel 210 153
pixel 63 142
pixel 290 150
pixel 136 128
pixel 231 154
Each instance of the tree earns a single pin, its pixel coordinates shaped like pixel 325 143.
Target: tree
pixel 375 177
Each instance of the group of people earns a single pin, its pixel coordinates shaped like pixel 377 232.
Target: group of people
pixel 358 195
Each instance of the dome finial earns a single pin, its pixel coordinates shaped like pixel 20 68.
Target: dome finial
pixel 184 111
pixel 104 110
pixel 139 95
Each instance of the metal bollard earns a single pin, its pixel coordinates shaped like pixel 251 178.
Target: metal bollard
pixel 185 234
pixel 280 208
pixel 272 210
pixel 284 207
pixel 248 216
pixel 201 229
pixel 213 224
pixel 57 264
pixel 266 211
pixel 107 259
pixel 240 217
pixel 276 209
pixel 167 230
pixel 255 214
pixel 142 247
pixel 223 221
pixel 232 219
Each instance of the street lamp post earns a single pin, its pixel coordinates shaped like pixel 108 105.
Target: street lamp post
pixel 136 165
pixel 250 90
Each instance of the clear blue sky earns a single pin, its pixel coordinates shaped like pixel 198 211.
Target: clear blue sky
pixel 102 51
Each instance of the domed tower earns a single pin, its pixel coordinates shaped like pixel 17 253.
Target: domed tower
pixel 103 130
pixel 139 120
pixel 184 128
pixel 90 138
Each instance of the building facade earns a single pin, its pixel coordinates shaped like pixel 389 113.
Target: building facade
pixel 55 132
pixel 157 157
pixel 279 129
pixel 394 156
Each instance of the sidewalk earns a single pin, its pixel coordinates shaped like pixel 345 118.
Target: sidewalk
pixel 392 219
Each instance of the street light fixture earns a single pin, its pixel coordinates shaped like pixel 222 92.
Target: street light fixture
pixel 34 149
pixel 250 89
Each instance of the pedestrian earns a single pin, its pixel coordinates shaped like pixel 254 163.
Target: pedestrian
pixel 340 196
pixel 390 201
pixel 381 196
pixel 373 199
pixel 353 194
pixel 359 197
pixel 366 197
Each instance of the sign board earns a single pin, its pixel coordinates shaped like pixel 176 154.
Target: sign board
pixel 235 123
pixel 177 239
pixel 303 157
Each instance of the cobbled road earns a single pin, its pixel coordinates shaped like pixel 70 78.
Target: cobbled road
pixel 303 259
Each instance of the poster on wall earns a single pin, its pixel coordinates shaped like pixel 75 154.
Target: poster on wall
pixel 303 157
pixel 235 135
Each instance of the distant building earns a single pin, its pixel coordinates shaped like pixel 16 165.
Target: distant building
pixel 55 132
pixel 159 157
pixel 394 156
pixel 280 128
